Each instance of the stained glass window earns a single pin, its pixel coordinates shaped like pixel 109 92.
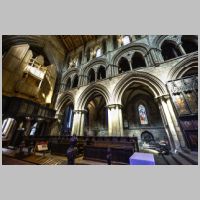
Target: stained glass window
pixel 142 114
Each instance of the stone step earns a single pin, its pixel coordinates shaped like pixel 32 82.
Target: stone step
pixel 169 160
pixel 189 157
pixel 179 159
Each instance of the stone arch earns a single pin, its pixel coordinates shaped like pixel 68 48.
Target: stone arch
pixel 89 91
pixel 132 47
pixel 158 40
pixel 91 75
pixel 147 137
pixel 155 85
pixel 93 64
pixel 69 73
pixel 169 49
pixel 101 72
pixel 137 60
pixel 123 65
pixel 183 66
pixel 63 100
pixel 189 43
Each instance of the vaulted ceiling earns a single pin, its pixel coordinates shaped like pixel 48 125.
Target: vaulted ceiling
pixel 72 42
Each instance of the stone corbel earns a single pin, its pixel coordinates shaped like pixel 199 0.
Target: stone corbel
pixel 110 106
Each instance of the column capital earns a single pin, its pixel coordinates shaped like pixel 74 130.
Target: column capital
pixel 162 97
pixel 110 106
pixel 79 111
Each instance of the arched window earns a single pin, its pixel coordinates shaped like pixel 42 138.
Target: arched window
pixel 142 114
pixel 101 73
pixel 125 40
pixel 98 52
pixel 147 137
pixel 68 120
pixel 189 43
pixel 68 85
pixel 138 60
pixel 169 50
pixel 123 65
pixel 75 82
pixel 91 76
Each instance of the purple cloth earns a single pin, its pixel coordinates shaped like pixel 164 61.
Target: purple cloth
pixel 142 159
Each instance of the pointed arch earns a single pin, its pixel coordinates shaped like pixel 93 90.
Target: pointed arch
pixel 189 43
pixel 189 63
pixel 91 76
pixel 155 85
pixel 133 47
pixel 123 65
pixel 169 50
pixel 92 90
pixel 137 60
pixel 101 73
pixel 64 99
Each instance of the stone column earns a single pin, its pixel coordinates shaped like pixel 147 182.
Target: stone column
pixel 78 122
pixel 115 122
pixel 181 49
pixel 130 63
pixel 175 121
pixel 170 126
pixel 156 56
pixel 165 123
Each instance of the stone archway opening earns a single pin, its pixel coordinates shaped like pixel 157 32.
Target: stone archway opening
pixel 123 65
pixel 189 43
pixel 96 117
pixel 138 60
pixel 91 76
pixel 141 113
pixel 169 50
pixel 101 74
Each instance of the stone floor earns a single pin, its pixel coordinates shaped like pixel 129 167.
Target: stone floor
pixel 13 157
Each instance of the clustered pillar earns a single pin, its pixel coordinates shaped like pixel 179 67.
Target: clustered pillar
pixel 171 124
pixel 78 122
pixel 115 122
